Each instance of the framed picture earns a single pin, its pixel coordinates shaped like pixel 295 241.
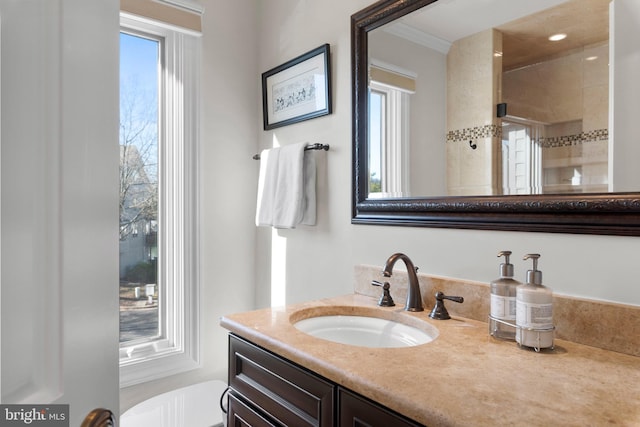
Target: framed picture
pixel 297 90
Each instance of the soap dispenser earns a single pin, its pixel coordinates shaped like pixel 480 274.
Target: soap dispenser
pixel 503 301
pixel 534 310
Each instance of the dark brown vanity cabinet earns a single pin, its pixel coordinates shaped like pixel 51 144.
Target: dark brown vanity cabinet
pixel 267 390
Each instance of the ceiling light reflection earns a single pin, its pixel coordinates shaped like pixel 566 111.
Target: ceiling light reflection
pixel 557 37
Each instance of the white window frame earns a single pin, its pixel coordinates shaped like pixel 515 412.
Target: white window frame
pixel 178 347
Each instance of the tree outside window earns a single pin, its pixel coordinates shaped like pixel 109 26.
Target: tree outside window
pixel 138 187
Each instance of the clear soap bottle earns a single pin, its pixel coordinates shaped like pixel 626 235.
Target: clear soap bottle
pixel 503 301
pixel 534 310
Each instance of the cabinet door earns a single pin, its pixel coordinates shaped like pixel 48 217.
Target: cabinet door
pixel 356 411
pixel 277 388
pixel 241 415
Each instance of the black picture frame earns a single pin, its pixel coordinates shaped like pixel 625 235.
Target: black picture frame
pixel 297 90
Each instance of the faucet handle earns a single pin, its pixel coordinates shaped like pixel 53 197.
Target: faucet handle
pixel 385 299
pixel 439 311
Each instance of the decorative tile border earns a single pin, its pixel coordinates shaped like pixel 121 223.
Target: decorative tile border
pixel 596 135
pixel 477 132
pixel 495 131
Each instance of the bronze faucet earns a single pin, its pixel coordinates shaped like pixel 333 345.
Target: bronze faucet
pixel 414 299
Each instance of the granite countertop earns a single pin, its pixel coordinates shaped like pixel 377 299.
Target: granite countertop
pixel 464 377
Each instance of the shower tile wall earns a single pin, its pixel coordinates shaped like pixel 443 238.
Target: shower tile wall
pixel 574 100
pixel 472 95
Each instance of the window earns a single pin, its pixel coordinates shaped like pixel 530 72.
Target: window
pixel 158 182
pixel 139 136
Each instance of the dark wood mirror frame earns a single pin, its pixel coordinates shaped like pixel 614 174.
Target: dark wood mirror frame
pixel 595 213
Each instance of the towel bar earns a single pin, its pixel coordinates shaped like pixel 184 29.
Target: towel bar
pixel 316 146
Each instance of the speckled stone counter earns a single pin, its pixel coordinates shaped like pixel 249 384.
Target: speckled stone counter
pixel 464 377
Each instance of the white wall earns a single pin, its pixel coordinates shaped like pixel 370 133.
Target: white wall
pixel 242 39
pixel 319 259
pixel 229 174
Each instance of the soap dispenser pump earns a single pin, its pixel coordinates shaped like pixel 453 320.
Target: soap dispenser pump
pixel 534 310
pixel 503 301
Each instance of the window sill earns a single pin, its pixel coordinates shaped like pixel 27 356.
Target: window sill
pixel 149 362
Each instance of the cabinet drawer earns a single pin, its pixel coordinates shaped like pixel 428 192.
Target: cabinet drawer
pixel 286 392
pixel 356 411
pixel 241 415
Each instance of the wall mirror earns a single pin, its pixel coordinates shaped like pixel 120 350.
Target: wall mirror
pixel 466 115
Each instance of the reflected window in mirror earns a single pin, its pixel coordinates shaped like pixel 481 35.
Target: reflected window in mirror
pixel 390 91
pixel 521 157
pixel 377 121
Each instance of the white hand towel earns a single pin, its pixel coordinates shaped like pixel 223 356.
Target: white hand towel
pixel 286 187
pixel 289 200
pixel 309 194
pixel 266 186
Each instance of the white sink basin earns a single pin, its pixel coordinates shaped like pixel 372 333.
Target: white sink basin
pixel 366 331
